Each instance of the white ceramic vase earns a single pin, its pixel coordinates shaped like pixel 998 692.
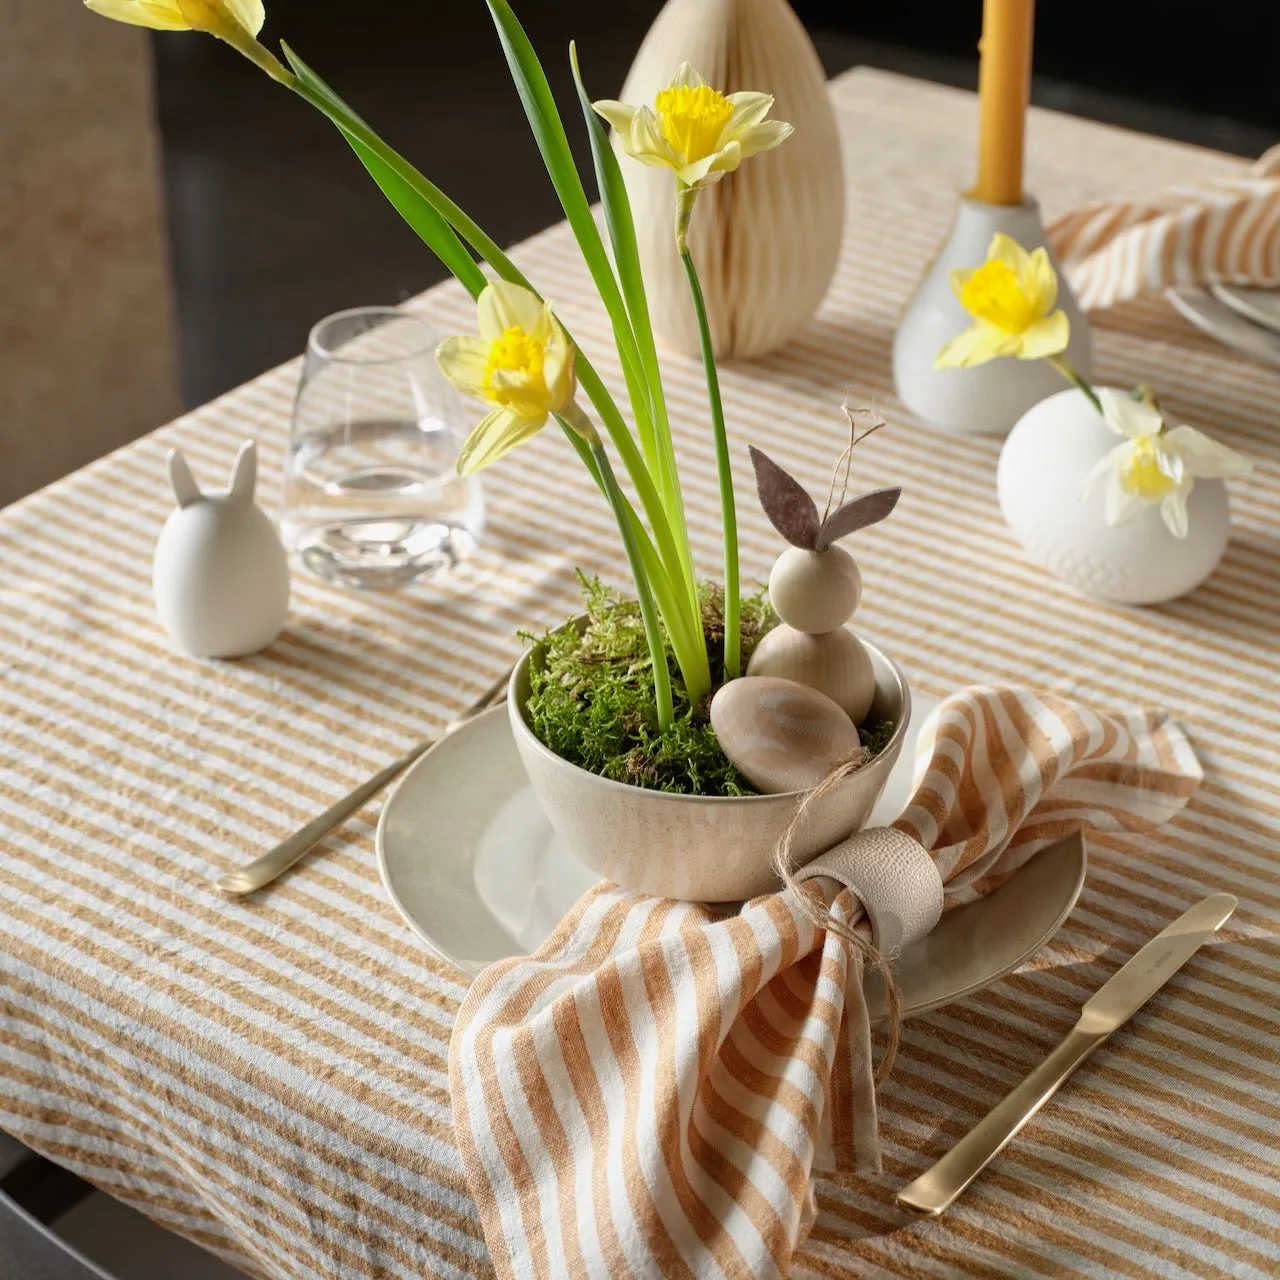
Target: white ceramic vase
pixel 766 239
pixel 699 848
pixel 990 398
pixel 1043 467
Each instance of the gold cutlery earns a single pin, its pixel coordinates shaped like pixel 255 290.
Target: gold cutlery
pixel 1110 1008
pixel 262 871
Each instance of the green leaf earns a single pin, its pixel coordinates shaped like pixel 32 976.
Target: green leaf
pixel 620 222
pixel 553 144
pixel 644 594
pixel 410 180
pixel 622 235
pixel 394 175
pixel 443 225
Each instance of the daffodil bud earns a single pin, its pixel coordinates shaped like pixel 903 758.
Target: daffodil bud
pixel 236 22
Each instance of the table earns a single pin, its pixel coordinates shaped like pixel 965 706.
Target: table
pixel 268 1077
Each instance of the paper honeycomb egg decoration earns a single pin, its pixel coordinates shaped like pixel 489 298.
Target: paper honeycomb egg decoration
pixel 766 238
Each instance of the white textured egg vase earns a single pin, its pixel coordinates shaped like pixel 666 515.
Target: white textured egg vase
pixel 989 398
pixel 1043 467
pixel 766 239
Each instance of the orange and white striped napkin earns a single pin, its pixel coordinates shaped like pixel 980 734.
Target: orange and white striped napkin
pixel 649 1093
pixel 1223 232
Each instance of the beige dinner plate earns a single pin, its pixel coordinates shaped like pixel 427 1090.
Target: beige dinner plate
pixel 1261 306
pixel 472 865
pixel 1212 316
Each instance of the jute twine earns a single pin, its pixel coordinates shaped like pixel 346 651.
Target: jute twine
pixel 855 937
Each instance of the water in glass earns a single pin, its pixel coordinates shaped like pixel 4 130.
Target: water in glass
pixel 371 495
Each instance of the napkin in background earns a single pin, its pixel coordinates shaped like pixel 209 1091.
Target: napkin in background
pixel 1221 232
pixel 651 1091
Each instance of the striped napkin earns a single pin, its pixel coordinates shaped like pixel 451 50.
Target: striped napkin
pixel 1221 232
pixel 651 1091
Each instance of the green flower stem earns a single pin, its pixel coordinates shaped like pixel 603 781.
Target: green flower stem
pixel 648 613
pixel 372 150
pixel 1069 371
pixel 232 33
pixel 440 221
pixel 690 647
pixel 684 628
pixel 698 676
pixel 728 510
pixel 685 197
pixel 620 221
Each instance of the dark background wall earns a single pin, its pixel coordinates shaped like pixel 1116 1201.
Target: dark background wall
pixel 273 224
pixel 1210 57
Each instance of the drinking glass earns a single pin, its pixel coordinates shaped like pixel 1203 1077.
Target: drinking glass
pixel 371 496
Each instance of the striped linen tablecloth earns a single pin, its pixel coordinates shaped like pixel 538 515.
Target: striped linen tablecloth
pixel 269 1077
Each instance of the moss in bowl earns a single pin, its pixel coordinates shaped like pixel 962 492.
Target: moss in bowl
pixel 591 698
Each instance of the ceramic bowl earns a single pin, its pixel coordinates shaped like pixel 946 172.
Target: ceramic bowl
pixel 699 848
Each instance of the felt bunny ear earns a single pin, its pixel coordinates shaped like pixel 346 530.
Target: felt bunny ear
pixel 790 509
pixel 245 476
pixel 184 484
pixel 857 514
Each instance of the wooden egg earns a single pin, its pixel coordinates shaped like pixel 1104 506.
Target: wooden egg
pixel 815 591
pixel 835 664
pixel 782 735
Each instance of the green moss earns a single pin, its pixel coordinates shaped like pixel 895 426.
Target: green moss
pixel 875 735
pixel 591 699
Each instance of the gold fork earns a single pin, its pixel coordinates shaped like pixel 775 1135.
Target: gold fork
pixel 262 871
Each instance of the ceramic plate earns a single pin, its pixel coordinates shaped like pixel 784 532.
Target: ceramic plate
pixel 1261 306
pixel 476 871
pixel 1220 321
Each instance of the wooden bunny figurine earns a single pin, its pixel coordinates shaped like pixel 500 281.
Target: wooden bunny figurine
pixel 814 588
pixel 221 576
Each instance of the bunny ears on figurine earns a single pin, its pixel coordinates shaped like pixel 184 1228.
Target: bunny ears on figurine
pixel 795 514
pixel 244 476
pixel 815 586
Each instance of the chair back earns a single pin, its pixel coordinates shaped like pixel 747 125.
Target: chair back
pixel 30 1251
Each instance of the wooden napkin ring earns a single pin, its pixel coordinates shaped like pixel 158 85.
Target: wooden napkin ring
pixel 894 878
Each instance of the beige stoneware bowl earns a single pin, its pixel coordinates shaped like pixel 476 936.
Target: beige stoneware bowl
pixel 699 848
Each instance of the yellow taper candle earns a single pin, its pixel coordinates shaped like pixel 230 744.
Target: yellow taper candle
pixel 1004 88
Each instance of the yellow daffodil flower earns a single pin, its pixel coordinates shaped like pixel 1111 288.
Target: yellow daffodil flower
pixel 696 131
pixel 522 363
pixel 1155 464
pixel 1012 299
pixel 235 21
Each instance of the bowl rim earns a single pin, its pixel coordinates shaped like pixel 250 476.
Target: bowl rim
pixel 883 761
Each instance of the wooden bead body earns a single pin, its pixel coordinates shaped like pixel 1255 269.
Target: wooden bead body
pixel 835 664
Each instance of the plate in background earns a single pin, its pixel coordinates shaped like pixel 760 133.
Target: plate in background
pixel 1218 320
pixel 473 866
pixel 1258 306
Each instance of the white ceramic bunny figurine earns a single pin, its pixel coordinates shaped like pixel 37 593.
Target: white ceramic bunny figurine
pixel 221 576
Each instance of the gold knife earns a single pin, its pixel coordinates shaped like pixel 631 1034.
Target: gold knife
pixel 271 866
pixel 1109 1009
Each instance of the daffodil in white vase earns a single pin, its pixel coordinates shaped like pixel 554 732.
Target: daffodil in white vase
pixel 1156 464
pixel 1136 520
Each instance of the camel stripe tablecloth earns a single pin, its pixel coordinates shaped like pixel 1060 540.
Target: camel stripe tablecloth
pixel 269 1077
